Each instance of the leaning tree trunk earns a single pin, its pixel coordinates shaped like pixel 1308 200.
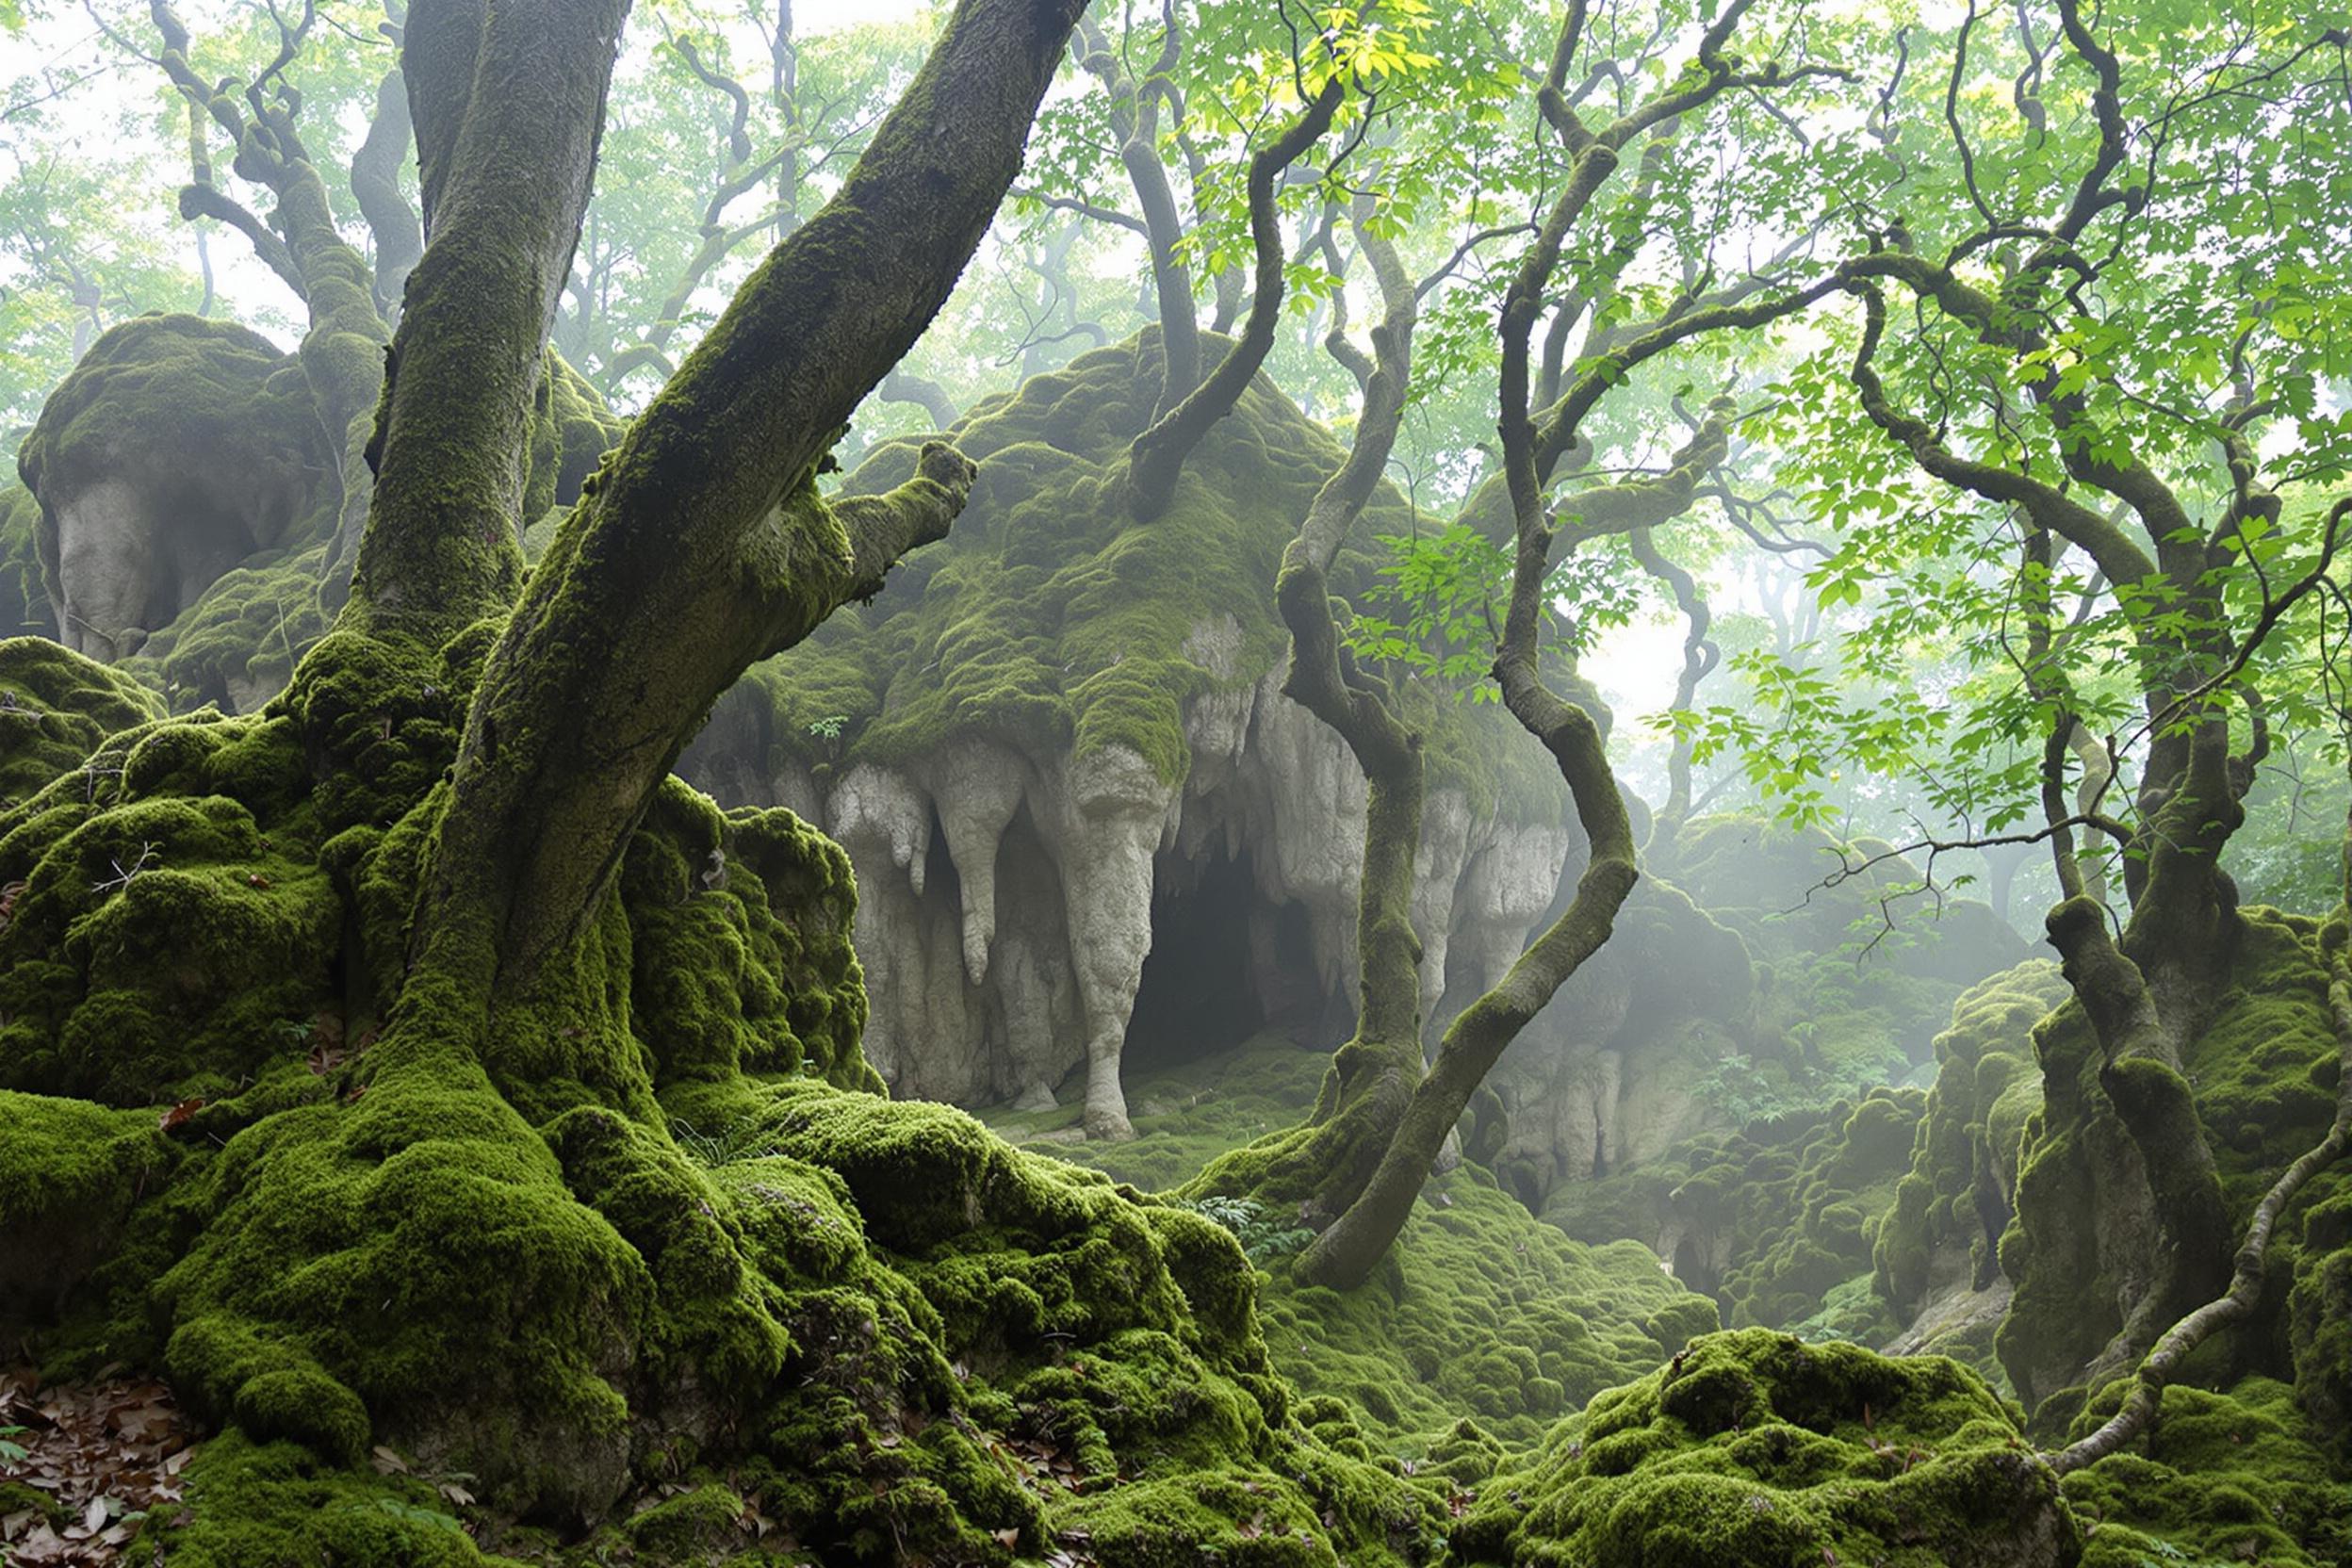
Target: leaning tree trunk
pixel 701 545
pixel 465 1290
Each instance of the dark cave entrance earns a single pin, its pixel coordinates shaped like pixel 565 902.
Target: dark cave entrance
pixel 1691 1267
pixel 1223 966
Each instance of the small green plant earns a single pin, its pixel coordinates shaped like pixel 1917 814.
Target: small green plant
pixel 828 727
pixel 1742 1090
pixel 1262 1236
pixel 411 1513
pixel 11 1451
pixel 712 1150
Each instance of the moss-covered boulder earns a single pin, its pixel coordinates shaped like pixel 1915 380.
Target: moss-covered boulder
pixel 1772 1219
pixel 2264 1070
pixel 179 447
pixel 24 609
pixel 2233 1477
pixel 56 708
pixel 183 494
pixel 1755 1450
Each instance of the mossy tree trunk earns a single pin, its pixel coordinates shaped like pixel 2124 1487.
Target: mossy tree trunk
pixel 508 108
pixel 1383 1118
pixel 702 544
pixel 2147 976
pixel 1157 459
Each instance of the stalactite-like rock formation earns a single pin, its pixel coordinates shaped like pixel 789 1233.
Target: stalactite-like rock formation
pixel 1057 751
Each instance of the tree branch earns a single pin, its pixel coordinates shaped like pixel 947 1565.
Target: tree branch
pixel 1157 457
pixel 679 568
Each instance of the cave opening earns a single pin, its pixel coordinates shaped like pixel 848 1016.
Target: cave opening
pixel 1223 966
pixel 1690 1266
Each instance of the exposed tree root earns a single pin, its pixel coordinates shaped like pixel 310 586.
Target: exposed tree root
pixel 2246 1285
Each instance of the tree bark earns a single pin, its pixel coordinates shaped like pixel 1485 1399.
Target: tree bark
pixel 1134 120
pixel 703 545
pixel 376 184
pixel 1157 459
pixel 508 173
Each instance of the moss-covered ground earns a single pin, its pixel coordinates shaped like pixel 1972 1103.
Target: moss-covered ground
pixel 1756 1449
pixel 1482 1312
pixel 714 1272
pixel 721 1301
pixel 656 1275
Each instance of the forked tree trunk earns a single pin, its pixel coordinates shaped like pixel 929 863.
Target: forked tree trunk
pixel 701 545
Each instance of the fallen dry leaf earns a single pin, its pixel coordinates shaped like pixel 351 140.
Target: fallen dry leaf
pixel 106 1452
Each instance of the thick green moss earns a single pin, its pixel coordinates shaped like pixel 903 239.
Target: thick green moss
pixel 239 642
pixel 1481 1311
pixel 1960 1188
pixel 2233 1478
pixel 249 1503
pixel 1753 1447
pixel 56 707
pixel 24 598
pixel 1773 1219
pixel 691 1247
pixel 71 1173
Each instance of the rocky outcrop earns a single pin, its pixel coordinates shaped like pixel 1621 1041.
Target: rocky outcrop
pixel 1080 808
pixel 181 491
pixel 179 448
pixel 1087 821
pixel 1012 905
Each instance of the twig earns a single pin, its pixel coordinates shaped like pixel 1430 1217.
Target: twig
pixel 122 879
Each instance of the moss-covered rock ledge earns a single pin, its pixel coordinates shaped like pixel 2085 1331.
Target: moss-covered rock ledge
pixel 658 1276
pixel 1046 731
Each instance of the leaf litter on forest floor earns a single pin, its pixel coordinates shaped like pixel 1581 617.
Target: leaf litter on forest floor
pixel 105 1453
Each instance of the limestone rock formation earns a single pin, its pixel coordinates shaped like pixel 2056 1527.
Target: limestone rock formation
pixel 181 495
pixel 1079 806
pixel 179 448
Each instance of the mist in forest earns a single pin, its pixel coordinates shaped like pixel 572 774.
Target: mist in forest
pixel 1438 782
